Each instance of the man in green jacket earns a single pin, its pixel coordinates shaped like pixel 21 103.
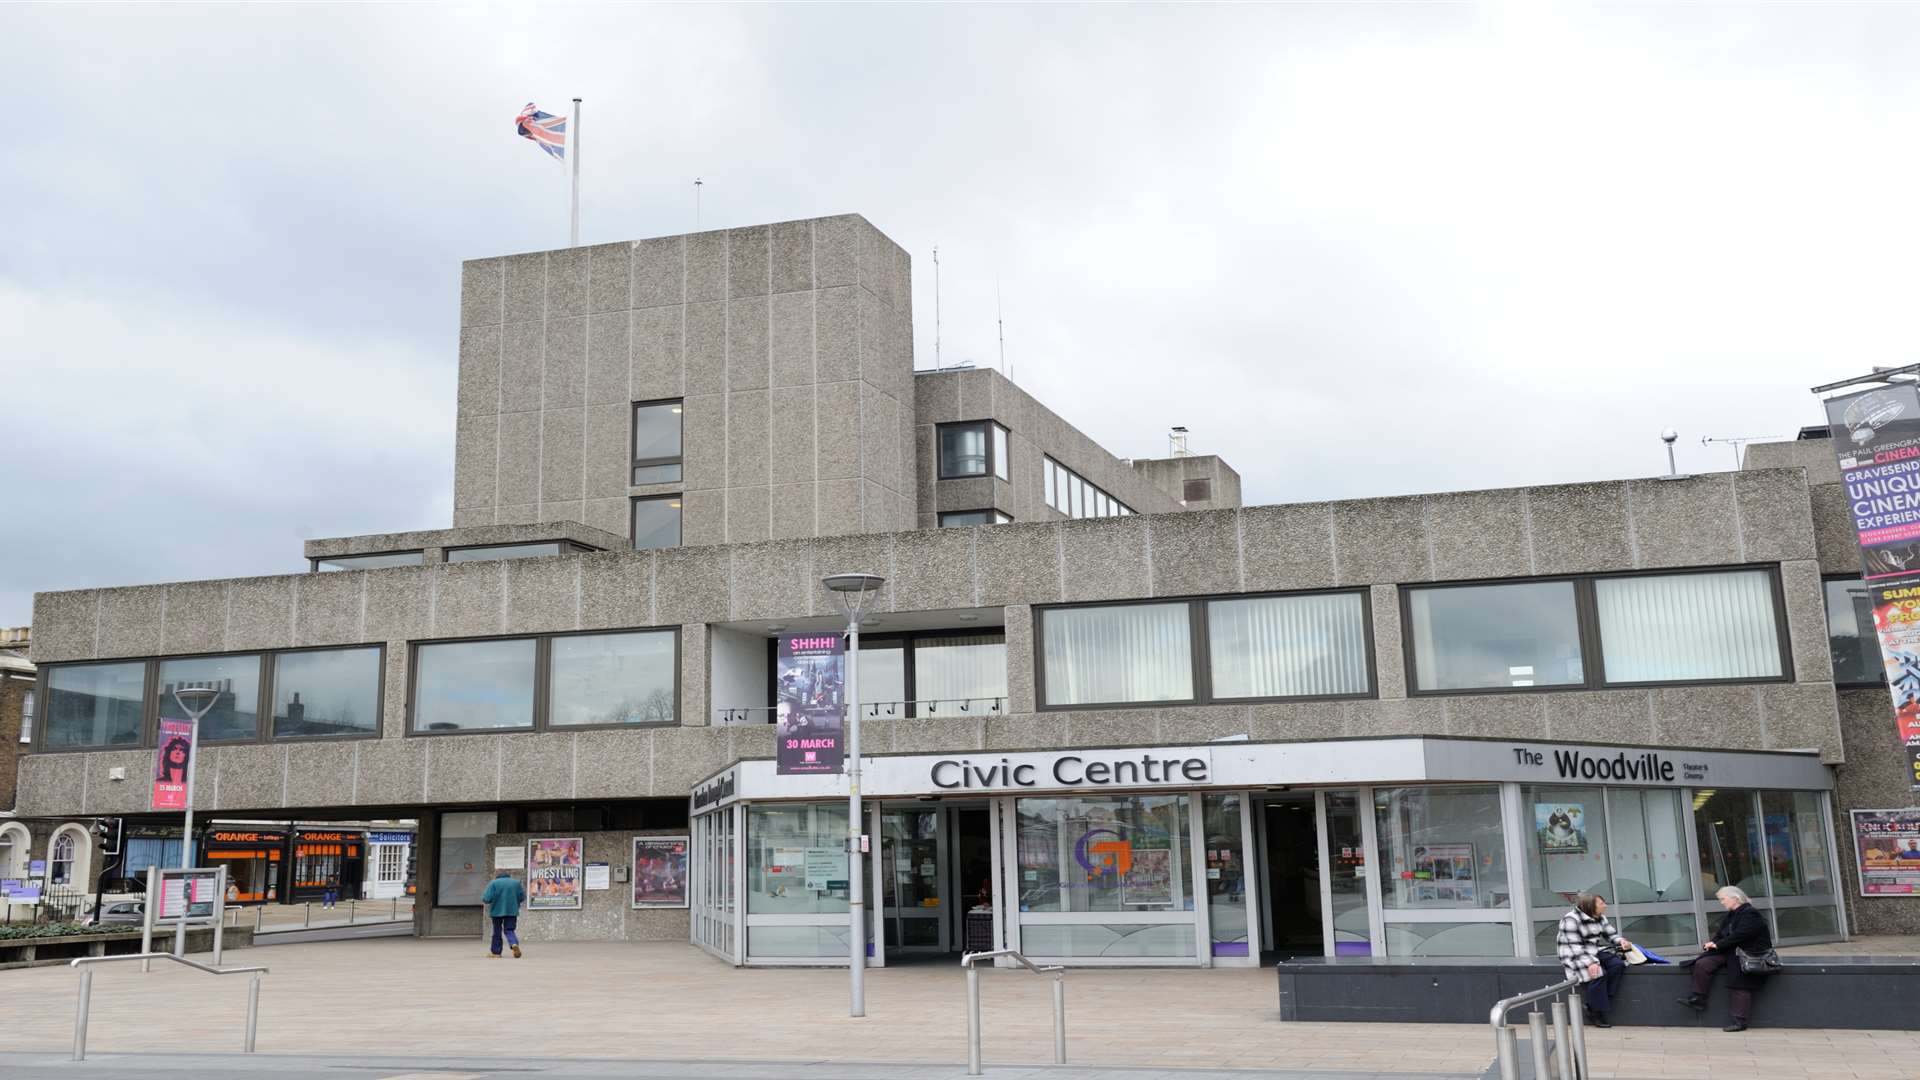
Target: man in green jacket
pixel 502 899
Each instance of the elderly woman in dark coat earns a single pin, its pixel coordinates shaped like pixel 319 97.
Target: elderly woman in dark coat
pixel 1745 930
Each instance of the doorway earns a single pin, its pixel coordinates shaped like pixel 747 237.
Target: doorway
pixel 1292 838
pixel 936 879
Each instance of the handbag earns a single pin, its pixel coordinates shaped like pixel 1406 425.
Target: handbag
pixel 1762 963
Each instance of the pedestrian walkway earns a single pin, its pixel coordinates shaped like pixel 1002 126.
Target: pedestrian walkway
pixel 671 1002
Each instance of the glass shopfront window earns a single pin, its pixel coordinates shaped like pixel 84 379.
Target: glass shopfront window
pixel 236 708
pixel 1626 844
pixel 1480 637
pixel 1649 842
pixel 1125 653
pixel 464 866
pixel 1442 848
pixel 1731 849
pixel 797 861
pixel 1348 877
pixel 1567 851
pixel 1105 854
pixel 1799 861
pixel 95 704
pixel 1223 817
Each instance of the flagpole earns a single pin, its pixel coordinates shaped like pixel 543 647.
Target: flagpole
pixel 573 136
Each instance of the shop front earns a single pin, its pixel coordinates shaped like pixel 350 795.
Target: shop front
pixel 1225 854
pixel 253 859
pixel 326 860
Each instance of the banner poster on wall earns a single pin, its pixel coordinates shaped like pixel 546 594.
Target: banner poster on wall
pixel 1561 828
pixel 1887 845
pixel 810 709
pixel 554 874
pixel 1876 440
pixel 660 871
pixel 170 764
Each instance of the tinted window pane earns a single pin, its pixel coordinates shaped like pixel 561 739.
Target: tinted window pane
pixel 1046 474
pixel 963 450
pixel 951 671
pixel 966 517
pixel 473 686
pixel 505 551
pixel 1139 652
pixel 464 866
pixel 330 692
pixel 374 562
pixel 657 474
pixel 236 711
pixel 1485 636
pixel 1797 855
pixel 95 704
pixel 656 435
pixel 1442 848
pixel 613 679
pixel 656 523
pixel 1288 646
pixel 883 678
pixel 1856 654
pixel 1731 848
pixel 1000 468
pixel 1688 627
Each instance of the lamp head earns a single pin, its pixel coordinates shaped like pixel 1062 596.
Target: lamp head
pixel 1668 436
pixel 853 590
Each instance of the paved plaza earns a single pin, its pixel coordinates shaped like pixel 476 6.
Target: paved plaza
pixel 443 1000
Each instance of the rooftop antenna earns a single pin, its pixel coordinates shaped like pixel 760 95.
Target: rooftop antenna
pixel 696 204
pixel 1000 320
pixel 1735 442
pixel 936 306
pixel 1177 443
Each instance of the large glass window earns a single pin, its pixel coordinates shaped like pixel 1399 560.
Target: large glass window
pixel 1731 849
pixel 1567 851
pixel 236 710
pixel 95 704
pixel 1798 859
pixel 490 552
pixel 464 866
pixel 1288 646
pixel 1850 634
pixel 964 450
pixel 1127 653
pixel 1649 843
pixel 797 862
pixel 614 679
pixel 1347 877
pixel 1226 873
pixel 964 669
pixel 326 692
pixel 1495 636
pixel 1442 848
pixel 1688 627
pixel 883 678
pixel 1106 853
pixel 656 442
pixel 656 523
pixel 473 685
pixel 371 562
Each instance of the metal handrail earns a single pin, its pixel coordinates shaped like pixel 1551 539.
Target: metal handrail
pixel 973 1003
pixel 86 992
pixel 1569 1034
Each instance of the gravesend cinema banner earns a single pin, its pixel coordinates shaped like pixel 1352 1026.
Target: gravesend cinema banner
pixel 1876 440
pixel 555 870
pixel 811 701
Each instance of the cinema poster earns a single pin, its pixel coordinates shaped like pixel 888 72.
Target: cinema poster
pixel 810 705
pixel 1561 827
pixel 555 874
pixel 1886 844
pixel 660 871
pixel 170 765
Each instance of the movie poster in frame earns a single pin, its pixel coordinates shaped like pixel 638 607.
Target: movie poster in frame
pixel 660 871
pixel 555 874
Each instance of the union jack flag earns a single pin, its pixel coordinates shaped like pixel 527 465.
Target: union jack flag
pixel 547 131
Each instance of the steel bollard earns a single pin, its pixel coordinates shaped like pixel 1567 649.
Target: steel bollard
pixel 253 1009
pixel 80 1017
pixel 351 909
pixel 1537 1042
pixel 1508 1051
pixel 306 918
pixel 396 907
pixel 1562 1045
pixel 258 912
pixel 1059 1020
pixel 1577 1027
pixel 973 1021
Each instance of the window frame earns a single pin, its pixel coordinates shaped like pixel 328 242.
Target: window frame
pixel 1075 496
pixel 567 547
pixel 680 538
pixel 905 640
pixel 994 467
pixel 1587 625
pixel 313 564
pixel 1825 579
pixel 635 462
pixel 543 683
pixel 1000 517
pixel 1200 651
pixel 263 734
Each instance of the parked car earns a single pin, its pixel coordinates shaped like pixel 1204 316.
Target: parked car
pixel 117 911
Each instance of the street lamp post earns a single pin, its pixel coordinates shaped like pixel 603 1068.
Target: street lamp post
pixel 853 591
pixel 187 697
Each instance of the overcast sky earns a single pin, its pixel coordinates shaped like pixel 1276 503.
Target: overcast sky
pixel 1357 249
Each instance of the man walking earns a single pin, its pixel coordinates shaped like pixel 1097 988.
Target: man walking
pixel 502 899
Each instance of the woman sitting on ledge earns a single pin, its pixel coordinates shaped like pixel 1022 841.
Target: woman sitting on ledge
pixel 1593 952
pixel 1744 930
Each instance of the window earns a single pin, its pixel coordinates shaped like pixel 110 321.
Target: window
pixel 371 562
pixel 1047 470
pixel 326 692
pixel 953 518
pixel 60 868
pixel 1689 627
pixel 656 442
pixel 1073 496
pixel 975 448
pixel 1443 850
pixel 1289 646
pixel 1126 653
pixel 1001 467
pixel 1146 866
pixel 1193 491
pixel 26 717
pixel 236 710
pixel 1302 645
pixel 614 679
pixel 788 850
pixel 391 868
pixel 473 685
pixel 656 522
pixel 1850 634
pixel 1486 636
pixel 490 552
pixel 95 704
pixel 464 866
pixel 1731 849
pixel 1798 859
pixel 933 674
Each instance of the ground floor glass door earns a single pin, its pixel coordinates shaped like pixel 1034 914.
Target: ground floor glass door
pixel 913 876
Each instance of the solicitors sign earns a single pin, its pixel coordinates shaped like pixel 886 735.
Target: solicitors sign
pixel 1876 438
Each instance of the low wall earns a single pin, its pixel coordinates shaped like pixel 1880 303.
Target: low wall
pixel 1859 992
pixel 42 952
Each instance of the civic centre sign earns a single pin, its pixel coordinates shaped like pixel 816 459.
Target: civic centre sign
pixel 1092 768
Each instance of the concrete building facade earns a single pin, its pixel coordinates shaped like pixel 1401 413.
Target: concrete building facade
pixel 1346 649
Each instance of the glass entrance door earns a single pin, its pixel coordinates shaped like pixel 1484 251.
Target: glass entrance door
pixel 914 879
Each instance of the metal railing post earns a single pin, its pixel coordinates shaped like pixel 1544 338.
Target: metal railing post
pixel 253 1009
pixel 1537 1043
pixel 1577 1026
pixel 1562 1045
pixel 1059 1020
pixel 259 912
pixel 80 1015
pixel 973 1021
pixel 1507 1046
pixel 306 919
